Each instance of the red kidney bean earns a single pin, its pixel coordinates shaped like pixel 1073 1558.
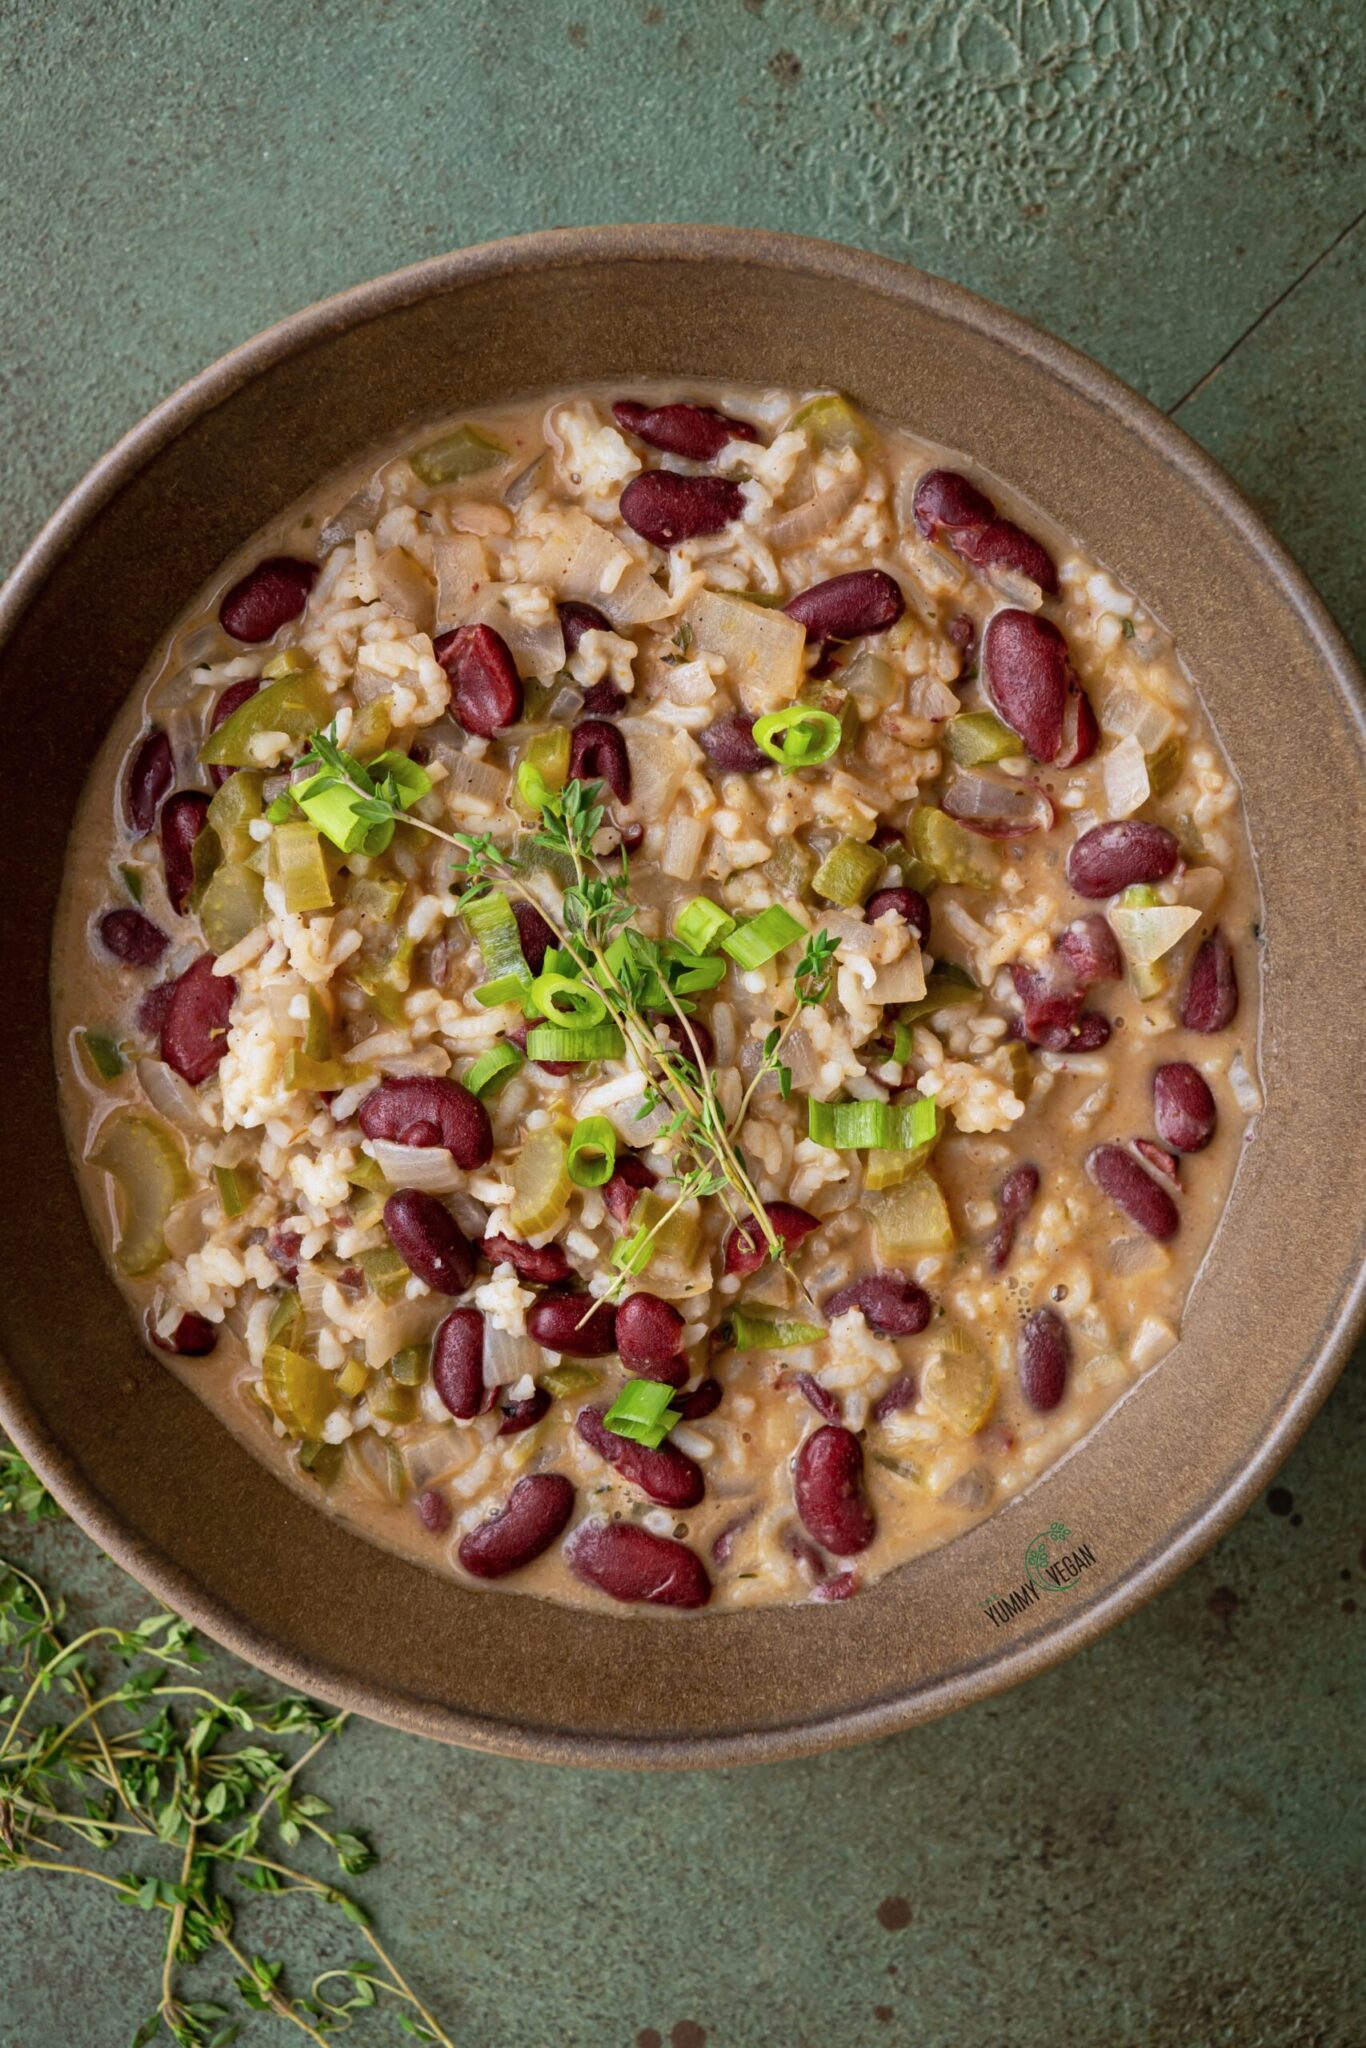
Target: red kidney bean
pixel 649 1333
pixel 486 690
pixel 1165 1163
pixel 132 938
pixel 703 1400
pixel 665 509
pixel 183 818
pixel 267 597
pixel 193 1336
pixel 696 432
pixel 1049 1008
pixel 230 700
pixel 1183 1107
pixel 534 933
pixel 543 1265
pixel 458 1364
pixel 891 1304
pixel 575 1325
pixel 842 1586
pixel 665 1475
pixel 1210 1002
pixel 150 774
pixel 899 1395
pixel 1120 854
pixel 1118 1174
pixel 194 1030
pixel 629 1563
pixel 724 1543
pixel 630 1177
pixel 520 1415
pixel 1030 683
pixel 604 700
pixel 730 745
pixel 800 1547
pixel 1043 1358
pixel 426 1110
pixel 746 1248
pixel 1091 950
pixel 684 1038
pixel 845 607
pixel 434 1511
pixel 282 1248
pixel 577 619
pixel 1014 1199
pixel 811 1390
pixel 428 1239
pixel 948 506
pixel 153 1007
pixel 536 1511
pixel 633 837
pixel 1092 1032
pixel 908 904
pixel 597 753
pixel 828 1489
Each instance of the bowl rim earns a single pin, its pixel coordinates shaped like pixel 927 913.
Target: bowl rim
pixel 681 242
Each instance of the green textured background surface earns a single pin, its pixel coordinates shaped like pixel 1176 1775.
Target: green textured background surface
pixel 1160 1842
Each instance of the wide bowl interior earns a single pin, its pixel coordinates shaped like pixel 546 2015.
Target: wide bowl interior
pixel 144 1465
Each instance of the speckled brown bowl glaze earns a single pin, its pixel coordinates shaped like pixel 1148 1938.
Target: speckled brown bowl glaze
pixel 144 1467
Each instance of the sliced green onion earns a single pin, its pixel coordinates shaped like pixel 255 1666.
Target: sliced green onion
pixel 889 1126
pixel 701 924
pixel 798 736
pixel 559 960
pixel 761 937
pixel 592 1152
pixel 233 1194
pixel 632 1254
pixel 575 1004
pixel 641 1411
pixel 492 1069
pixel 103 1054
pixel 509 988
pixel 689 973
pixel 282 810
pixel 554 1042
pixel 759 1333
pixel 848 872
pixel 491 920
pixel 543 770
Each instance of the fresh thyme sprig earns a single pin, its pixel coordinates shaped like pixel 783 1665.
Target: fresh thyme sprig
pixel 111 1744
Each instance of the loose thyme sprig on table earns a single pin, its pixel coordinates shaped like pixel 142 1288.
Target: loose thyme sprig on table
pixel 109 1746
pixel 597 913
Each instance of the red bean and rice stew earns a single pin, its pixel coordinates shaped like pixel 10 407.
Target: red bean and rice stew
pixel 658 997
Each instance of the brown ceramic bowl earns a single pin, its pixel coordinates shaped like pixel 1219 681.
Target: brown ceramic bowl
pixel 144 1467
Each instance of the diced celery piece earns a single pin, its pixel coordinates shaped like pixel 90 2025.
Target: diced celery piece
pixel 103 1057
pixel 960 1381
pixel 790 868
pixel 389 1400
pixel 873 680
pixel 832 422
pixel 287 1321
pixel 290 661
pixel 322 1077
pixel 950 850
pixel 848 872
pixel 410 1366
pixel 978 736
pixel 232 906
pixel 912 1218
pixel 318 1037
pixel 296 705
pixel 234 1185
pixel 322 1462
pixel 385 1271
pixel 296 853
pixel 302 1394
pixel 375 896
pixel 385 979
pixel 378 1465
pixel 1164 767
pixel 370 729
pixel 948 988
pixel 148 1168
pixel 464 451
pixel 353 1379
pixel 564 1380
pixel 231 811
pixel 205 856
pixel 541 1186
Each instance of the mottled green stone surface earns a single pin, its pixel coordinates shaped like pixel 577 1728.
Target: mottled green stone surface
pixel 1160 1842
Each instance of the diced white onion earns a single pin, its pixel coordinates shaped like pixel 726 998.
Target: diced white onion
pixel 1125 770
pixel 171 1095
pixel 428 1167
pixel 1246 1092
pixel 682 846
pixel 507 1358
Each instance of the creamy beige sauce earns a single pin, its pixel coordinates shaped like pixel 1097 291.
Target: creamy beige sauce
pixel 1120 1295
